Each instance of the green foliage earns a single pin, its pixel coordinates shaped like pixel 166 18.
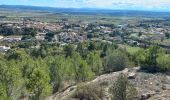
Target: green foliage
pixel 92 46
pixel 154 60
pixel 89 92
pixel 90 35
pixel 95 62
pixel 25 45
pixel 69 50
pixel 11 81
pixel 81 69
pixel 82 49
pixel 49 36
pixel 167 35
pixel 29 31
pixel 36 73
pixel 16 55
pixel 115 61
pixel 41 52
pixel 26 37
pixel 163 63
pixel 123 90
pixel 37 80
pixel 58 71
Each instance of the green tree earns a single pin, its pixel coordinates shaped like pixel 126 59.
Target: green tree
pixel 81 69
pixel 123 90
pixel 58 67
pixel 37 80
pixel 29 31
pixel 92 46
pixel 49 36
pixel 95 62
pixel 11 82
pixel 69 50
pixel 115 61
pixel 150 61
pixel 163 62
pixel 82 49
pixel 167 35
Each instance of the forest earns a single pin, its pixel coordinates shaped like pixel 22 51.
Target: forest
pixel 38 73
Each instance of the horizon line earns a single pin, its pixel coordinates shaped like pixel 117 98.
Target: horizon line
pixel 90 8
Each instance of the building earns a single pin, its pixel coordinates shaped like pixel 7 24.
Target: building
pixel 12 39
pixel 4 48
pixel 40 36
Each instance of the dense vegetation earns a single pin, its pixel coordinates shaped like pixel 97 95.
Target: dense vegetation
pixel 154 59
pixel 8 30
pixel 37 73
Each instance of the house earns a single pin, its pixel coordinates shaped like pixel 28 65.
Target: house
pixel 40 36
pixel 12 39
pixel 1 37
pixel 4 48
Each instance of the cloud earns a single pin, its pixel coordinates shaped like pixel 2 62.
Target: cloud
pixel 117 4
pixel 111 4
pixel 139 3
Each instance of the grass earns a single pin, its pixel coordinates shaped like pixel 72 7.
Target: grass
pixel 132 50
pixel 16 15
pixel 166 42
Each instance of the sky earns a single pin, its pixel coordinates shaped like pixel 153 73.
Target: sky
pixel 159 5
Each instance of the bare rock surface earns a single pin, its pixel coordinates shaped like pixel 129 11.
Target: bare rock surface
pixel 149 86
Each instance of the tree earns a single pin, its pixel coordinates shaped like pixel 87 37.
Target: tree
pixel 167 35
pixel 153 59
pixel 37 80
pixel 92 46
pixel 11 82
pixel 81 69
pixel 123 90
pixel 82 49
pixel 49 36
pixel 57 67
pixel 17 55
pixel 107 47
pixel 29 31
pixel 69 50
pixel 115 61
pixel 150 59
pixel 90 35
pixel 95 62
pixel 26 37
pixel 163 63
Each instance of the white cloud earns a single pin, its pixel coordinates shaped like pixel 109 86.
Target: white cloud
pixel 148 4
pixel 111 4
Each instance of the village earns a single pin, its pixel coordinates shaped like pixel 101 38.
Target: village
pixel 64 32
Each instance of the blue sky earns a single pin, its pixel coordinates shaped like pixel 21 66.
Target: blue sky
pixel 163 5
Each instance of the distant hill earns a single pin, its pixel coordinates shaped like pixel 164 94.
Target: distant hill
pixel 90 11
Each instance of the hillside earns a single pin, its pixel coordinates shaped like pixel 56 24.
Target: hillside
pixel 87 11
pixel 149 86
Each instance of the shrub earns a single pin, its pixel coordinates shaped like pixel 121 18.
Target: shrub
pixel 123 90
pixel 116 61
pixel 154 59
pixel 163 63
pixel 89 92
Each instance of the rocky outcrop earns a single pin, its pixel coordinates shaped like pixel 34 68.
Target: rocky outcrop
pixel 149 86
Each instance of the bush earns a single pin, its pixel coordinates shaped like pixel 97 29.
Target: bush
pixel 95 63
pixel 123 90
pixel 154 59
pixel 163 63
pixel 116 61
pixel 89 92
